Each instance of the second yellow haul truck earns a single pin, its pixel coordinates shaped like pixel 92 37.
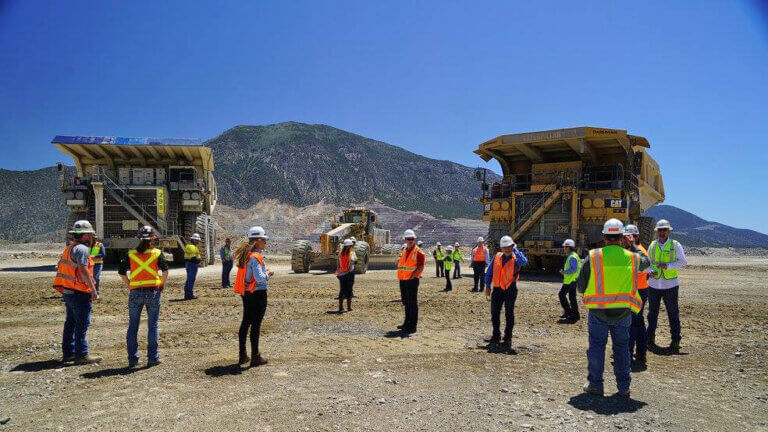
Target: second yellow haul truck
pixel 565 183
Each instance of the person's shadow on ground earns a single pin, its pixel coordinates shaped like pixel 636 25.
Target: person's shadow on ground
pixel 665 351
pixel 38 366
pixel 499 349
pixel 119 371
pixel 220 371
pixel 606 405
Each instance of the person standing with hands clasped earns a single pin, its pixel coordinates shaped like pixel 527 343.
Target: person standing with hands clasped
pixel 251 285
pixel 227 262
pixel 192 260
pixel 638 338
pixel 345 268
pixel 409 269
pixel 502 276
pixel 666 256
pixel 448 264
pixel 480 259
pixel 438 254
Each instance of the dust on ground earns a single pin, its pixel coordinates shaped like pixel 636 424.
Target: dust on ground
pixel 344 372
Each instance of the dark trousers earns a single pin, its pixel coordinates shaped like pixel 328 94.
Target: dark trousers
pixel 448 284
pixel 346 282
pixel 637 335
pixel 568 292
pixel 456 269
pixel 410 292
pixel 226 269
pixel 670 297
pixel 439 270
pixel 189 285
pixel 478 269
pixel 503 298
pixel 254 307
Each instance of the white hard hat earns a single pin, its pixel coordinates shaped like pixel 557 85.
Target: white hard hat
pixel 347 242
pixel 613 226
pixel 438 244
pixel 82 227
pixel 569 243
pixel 195 236
pixel 663 224
pixel 145 233
pixel 480 239
pixel 631 229
pixel 449 248
pixel 354 240
pixel 456 244
pixel 409 234
pixel 257 232
pixel 419 243
pixel 506 241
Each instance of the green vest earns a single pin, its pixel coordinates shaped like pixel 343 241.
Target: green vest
pixel 456 255
pixel 571 278
pixel 667 254
pixel 439 254
pixel 613 279
pixel 447 264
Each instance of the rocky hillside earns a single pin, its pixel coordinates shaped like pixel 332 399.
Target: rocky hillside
pixel 302 164
pixel 694 231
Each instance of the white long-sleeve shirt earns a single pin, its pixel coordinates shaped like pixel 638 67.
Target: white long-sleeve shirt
pixel 681 261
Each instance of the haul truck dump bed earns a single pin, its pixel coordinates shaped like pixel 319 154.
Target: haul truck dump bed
pixel 565 183
pixel 123 183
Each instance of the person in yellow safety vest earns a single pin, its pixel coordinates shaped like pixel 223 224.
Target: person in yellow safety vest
pixel 409 269
pixel 74 281
pixel 481 257
pixel 608 279
pixel 345 268
pixel 144 272
pixel 666 256
pixel 638 338
pixel 567 292
pixel 227 262
pixel 98 252
pixel 448 264
pixel 439 255
pixel 192 260
pixel 502 277
pixel 457 256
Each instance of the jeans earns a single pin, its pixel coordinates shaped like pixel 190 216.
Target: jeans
pixel 410 292
pixel 76 324
pixel 136 301
pixel 457 269
pixel 226 269
pixel 439 270
pixel 503 298
pixel 189 285
pixel 637 336
pixel 97 275
pixel 670 297
pixel 254 308
pixel 568 293
pixel 478 269
pixel 598 338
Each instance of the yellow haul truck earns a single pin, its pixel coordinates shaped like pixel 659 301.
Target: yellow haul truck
pixel 565 183
pixel 123 183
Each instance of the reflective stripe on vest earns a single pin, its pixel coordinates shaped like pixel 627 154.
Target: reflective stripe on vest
pixel 478 253
pixel 613 279
pixel 144 269
pixel 66 273
pixel 504 274
pixel 96 252
pixel 571 277
pixel 408 263
pixel 666 255
pixel 240 287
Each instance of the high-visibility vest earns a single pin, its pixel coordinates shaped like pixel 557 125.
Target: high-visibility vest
pixel 439 255
pixel 191 251
pixel 408 263
pixel 66 273
pixel 571 278
pixel 456 255
pixel 227 254
pixel 504 274
pixel 612 279
pixel 666 254
pixel 342 266
pixel 96 253
pixel 642 278
pixel 240 287
pixel 145 272
pixel 478 253
pixel 448 264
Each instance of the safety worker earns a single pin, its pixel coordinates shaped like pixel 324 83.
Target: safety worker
pixel 457 256
pixel 74 281
pixel 409 269
pixel 144 272
pixel 502 275
pixel 439 254
pixel 251 285
pixel 447 270
pixel 192 260
pixel 608 280
pixel 480 259
pixel 567 292
pixel 352 275
pixel 666 256
pixel 638 339
pixel 98 252
pixel 227 261
pixel 345 268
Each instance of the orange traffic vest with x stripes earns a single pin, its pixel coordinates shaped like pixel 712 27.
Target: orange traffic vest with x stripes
pixel 144 270
pixel 478 253
pixel 504 274
pixel 642 278
pixel 408 263
pixel 66 273
pixel 240 287
pixel 613 279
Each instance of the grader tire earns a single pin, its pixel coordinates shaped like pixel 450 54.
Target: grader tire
pixel 362 250
pixel 301 256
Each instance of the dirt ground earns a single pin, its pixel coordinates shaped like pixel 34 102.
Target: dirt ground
pixel 343 372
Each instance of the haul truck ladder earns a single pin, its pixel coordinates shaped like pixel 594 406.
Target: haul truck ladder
pixel 538 213
pixel 121 196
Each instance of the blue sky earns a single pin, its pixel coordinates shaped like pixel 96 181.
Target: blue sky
pixel 436 78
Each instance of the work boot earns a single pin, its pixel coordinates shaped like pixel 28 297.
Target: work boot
pixel 491 339
pixel 589 388
pixel 652 340
pixel 623 393
pixel 564 315
pixel 244 358
pixel 258 360
pixel 88 359
pixel 675 345
pixel 154 363
pixel 68 358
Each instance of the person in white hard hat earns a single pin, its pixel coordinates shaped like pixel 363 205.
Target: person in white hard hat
pixel 480 259
pixel 503 274
pixel 409 270
pixel 439 255
pixel 251 285
pixel 447 271
pixel 608 279
pixel 457 256
pixel 638 338
pixel 666 256
pixel 567 292
pixel 192 260
pixel 74 281
pixel 345 269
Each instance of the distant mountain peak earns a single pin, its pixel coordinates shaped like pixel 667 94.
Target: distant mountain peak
pixel 695 231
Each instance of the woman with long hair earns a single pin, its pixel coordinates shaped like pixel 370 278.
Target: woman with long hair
pixel 251 285
pixel 345 271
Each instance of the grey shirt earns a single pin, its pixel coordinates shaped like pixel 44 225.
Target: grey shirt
pixel 80 254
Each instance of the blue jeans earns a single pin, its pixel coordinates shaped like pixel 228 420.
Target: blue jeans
pixel 97 275
pixel 637 335
pixel 670 297
pixel 76 324
pixel 136 301
pixel 598 338
pixel 189 285
pixel 226 269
